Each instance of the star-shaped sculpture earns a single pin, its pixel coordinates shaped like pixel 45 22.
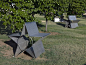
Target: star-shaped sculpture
pixel 31 29
pixel 21 41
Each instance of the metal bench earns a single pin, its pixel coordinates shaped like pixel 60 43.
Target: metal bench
pixel 31 29
pixel 72 21
pixel 37 48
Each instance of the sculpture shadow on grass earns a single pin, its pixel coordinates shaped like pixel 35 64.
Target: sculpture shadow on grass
pixel 61 24
pixel 12 44
pixel 40 25
pixel 64 23
pixel 84 16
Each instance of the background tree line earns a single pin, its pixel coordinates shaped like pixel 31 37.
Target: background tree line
pixel 14 13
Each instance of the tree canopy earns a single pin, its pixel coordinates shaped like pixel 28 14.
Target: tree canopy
pixel 15 13
pixel 76 7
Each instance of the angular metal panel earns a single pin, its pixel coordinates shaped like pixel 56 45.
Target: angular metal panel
pixel 30 51
pixel 75 21
pixel 31 28
pixel 18 50
pixel 74 25
pixel 15 34
pixel 38 48
pixel 24 30
pixel 72 17
pixel 22 43
pixel 15 39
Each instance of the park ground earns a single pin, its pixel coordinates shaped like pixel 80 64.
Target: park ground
pixel 64 46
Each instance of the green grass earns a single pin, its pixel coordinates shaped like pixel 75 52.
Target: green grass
pixel 40 17
pixel 4 36
pixel 67 48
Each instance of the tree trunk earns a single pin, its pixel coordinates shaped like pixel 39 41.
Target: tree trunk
pixel 46 24
pixel 33 14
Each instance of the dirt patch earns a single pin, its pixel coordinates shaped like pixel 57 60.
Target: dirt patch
pixel 8 52
pixel 1 43
pixel 24 56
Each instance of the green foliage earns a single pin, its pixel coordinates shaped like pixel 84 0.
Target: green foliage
pixel 17 14
pixel 46 7
pixel 77 7
pixel 62 6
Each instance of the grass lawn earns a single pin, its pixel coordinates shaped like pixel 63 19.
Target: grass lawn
pixel 64 46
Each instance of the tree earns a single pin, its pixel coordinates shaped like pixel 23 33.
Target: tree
pixel 15 13
pixel 71 7
pixel 46 7
pixel 76 7
pixel 62 6
pixel 51 8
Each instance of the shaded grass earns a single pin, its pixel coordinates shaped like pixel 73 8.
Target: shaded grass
pixel 66 48
pixel 4 36
pixel 39 17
